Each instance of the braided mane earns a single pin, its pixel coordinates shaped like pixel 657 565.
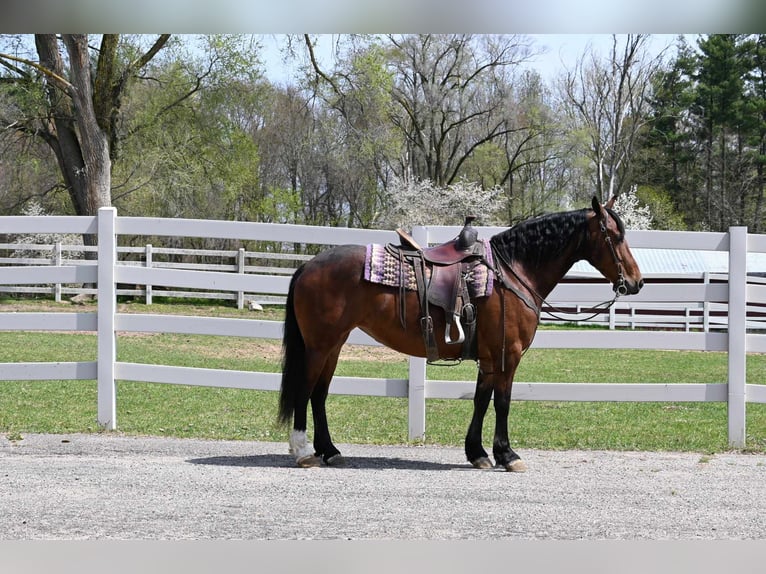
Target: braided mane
pixel 541 239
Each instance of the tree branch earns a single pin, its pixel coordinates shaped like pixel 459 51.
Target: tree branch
pixel 318 70
pixel 59 81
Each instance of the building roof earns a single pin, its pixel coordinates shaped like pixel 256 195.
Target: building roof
pixel 680 261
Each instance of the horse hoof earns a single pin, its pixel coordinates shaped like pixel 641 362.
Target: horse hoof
pixel 309 461
pixel 335 460
pixel 517 465
pixel 482 463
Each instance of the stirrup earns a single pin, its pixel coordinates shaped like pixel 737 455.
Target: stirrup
pixel 447 329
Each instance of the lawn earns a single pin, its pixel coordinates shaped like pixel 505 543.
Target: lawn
pixel 186 411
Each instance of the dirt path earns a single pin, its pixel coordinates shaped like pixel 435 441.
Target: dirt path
pixel 116 487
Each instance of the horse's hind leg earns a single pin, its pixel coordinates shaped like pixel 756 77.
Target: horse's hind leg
pixel 320 367
pixel 299 448
pixel 323 446
pixel 314 366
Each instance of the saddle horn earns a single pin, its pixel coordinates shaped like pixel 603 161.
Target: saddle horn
pixel 468 235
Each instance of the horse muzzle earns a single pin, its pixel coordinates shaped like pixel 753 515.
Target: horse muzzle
pixel 628 287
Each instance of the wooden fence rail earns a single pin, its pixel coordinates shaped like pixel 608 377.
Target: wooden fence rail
pixel 731 296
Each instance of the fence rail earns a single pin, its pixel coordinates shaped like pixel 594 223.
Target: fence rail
pixel 686 315
pixel 726 300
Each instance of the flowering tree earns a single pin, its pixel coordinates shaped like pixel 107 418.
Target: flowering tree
pixel 633 215
pixel 25 242
pixel 420 202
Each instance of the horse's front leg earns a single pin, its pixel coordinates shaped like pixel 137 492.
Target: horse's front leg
pixel 501 447
pixel 474 451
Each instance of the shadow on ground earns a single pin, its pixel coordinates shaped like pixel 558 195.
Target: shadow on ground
pixel 356 462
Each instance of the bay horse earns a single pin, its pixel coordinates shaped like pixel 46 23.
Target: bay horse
pixel 328 297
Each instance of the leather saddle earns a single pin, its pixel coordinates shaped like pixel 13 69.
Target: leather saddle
pixel 449 264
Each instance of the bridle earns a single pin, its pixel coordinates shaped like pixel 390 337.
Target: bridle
pixel 499 257
pixel 620 289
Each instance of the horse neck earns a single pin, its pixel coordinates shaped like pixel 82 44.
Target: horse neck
pixel 543 279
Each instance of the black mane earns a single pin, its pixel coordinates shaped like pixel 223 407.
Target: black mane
pixel 542 239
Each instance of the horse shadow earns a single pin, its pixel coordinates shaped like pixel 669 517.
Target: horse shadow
pixel 350 463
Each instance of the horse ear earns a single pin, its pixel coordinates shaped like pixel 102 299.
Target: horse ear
pixel 596 207
pixel 610 204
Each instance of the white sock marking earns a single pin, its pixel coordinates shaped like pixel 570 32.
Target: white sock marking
pixel 299 445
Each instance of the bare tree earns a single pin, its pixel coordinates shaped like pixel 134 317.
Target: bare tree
pixel 452 93
pixel 606 100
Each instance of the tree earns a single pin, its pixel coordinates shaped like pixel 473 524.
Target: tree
pixel 718 105
pixel 447 95
pixel 78 107
pixel 755 115
pixel 283 137
pixel 534 175
pixel 452 92
pixel 188 149
pixel 668 159
pixel 423 203
pixel 426 107
pixel 633 214
pixel 176 116
pixel 606 101
pixel 360 103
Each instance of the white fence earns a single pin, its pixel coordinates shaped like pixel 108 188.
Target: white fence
pixel 231 261
pixel 734 296
pixel 687 316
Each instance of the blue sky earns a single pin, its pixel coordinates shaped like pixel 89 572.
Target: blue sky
pixel 560 51
pixel 563 50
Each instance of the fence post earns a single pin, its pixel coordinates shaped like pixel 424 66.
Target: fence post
pixel 241 271
pixel 417 372
pixel 57 259
pixel 107 308
pixel 148 265
pixel 706 305
pixel 737 331
pixel 688 319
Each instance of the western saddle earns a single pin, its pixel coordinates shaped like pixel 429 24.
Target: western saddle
pixel 450 264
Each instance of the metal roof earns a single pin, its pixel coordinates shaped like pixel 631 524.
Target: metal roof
pixel 680 261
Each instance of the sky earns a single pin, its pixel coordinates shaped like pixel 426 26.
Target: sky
pixel 560 51
pixel 563 50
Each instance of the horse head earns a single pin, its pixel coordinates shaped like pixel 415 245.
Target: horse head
pixel 608 250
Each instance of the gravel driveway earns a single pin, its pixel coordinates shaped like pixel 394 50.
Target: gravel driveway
pixel 107 486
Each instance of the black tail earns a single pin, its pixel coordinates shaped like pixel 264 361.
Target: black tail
pixel 293 358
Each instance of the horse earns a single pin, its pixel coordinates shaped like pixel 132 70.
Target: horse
pixel 328 297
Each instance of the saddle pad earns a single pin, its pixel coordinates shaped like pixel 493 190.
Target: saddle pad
pixel 382 267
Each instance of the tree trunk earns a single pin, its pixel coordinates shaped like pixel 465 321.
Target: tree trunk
pixel 60 125
pixel 94 142
pixel 80 145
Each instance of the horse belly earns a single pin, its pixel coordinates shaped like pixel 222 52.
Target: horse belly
pixel 332 298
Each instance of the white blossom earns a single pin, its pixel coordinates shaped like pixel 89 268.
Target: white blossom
pixel 24 242
pixel 633 216
pixel 413 203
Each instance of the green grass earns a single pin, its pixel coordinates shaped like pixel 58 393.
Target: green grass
pixel 186 411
